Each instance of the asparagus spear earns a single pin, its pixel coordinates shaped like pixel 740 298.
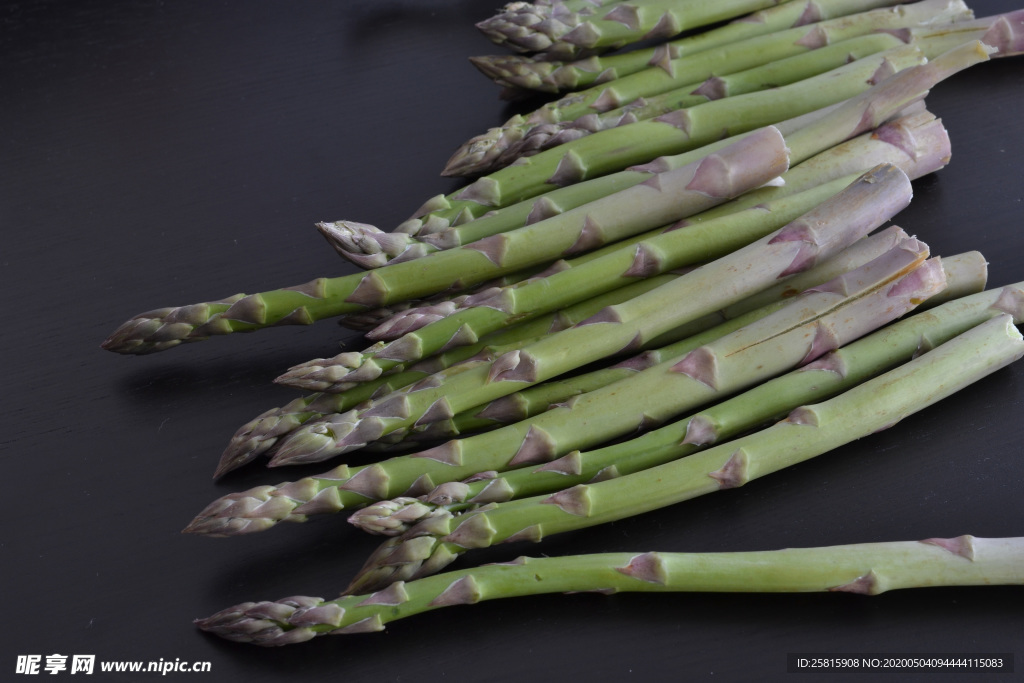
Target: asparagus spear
pixel 965 275
pixel 916 130
pixel 617 148
pixel 916 143
pixel 525 27
pixel 826 229
pixel 516 445
pixel 258 436
pixel 165 328
pixel 519 71
pixel 262 434
pixel 860 360
pixel 867 568
pixel 710 180
pixel 808 431
pixel 931 42
pixel 494 309
pixel 476 154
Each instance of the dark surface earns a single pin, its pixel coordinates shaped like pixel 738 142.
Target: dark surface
pixel 160 154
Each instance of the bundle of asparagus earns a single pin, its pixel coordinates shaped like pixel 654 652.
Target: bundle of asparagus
pixel 544 335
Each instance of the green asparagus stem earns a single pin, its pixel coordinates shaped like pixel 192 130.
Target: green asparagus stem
pixel 770 401
pixel 932 42
pixel 868 569
pixel 808 431
pixel 823 231
pixel 712 179
pixel 476 154
pixel 165 328
pixel 614 149
pixel 518 71
pixel 494 309
pixel 517 445
pixel 555 34
pixel 259 436
pixel 916 143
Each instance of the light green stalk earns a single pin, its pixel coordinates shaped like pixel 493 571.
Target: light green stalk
pixel 807 432
pixel 476 154
pixel 517 71
pixel 260 435
pixel 614 149
pixel 965 275
pixel 932 42
pixel 710 180
pixel 165 328
pixel 859 361
pixel 557 33
pixel 821 232
pixel 762 349
pixel 867 568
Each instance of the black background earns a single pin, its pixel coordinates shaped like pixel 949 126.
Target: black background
pixel 159 154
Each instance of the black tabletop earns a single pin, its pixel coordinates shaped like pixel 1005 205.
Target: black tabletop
pixel 159 154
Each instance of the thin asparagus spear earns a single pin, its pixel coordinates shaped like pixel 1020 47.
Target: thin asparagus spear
pixel 165 328
pixel 518 445
pixel 713 179
pixel 867 568
pixel 859 361
pixel 614 149
pixel 519 71
pixel 931 42
pixel 965 274
pixel 494 309
pixel 821 232
pixel 808 431
pixel 555 34
pixel 476 155
pixel 261 435
pixel 258 436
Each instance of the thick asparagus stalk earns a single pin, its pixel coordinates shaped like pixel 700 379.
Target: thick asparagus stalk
pixel 931 42
pixel 808 431
pixel 519 71
pixel 917 131
pixel 564 34
pixel 259 435
pixel 321 298
pixel 494 309
pixel 614 149
pixel 476 154
pixel 860 360
pixel 713 179
pixel 517 445
pixel 823 231
pixel 868 569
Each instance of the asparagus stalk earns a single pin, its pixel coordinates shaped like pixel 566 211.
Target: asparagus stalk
pixel 556 34
pixel 516 445
pixel 931 42
pixel 617 148
pixel 823 231
pixel 769 401
pixel 260 435
pixel 867 569
pixel 551 76
pixel 916 130
pixel 494 309
pixel 808 431
pixel 477 153
pixel 165 328
pixel 710 180
pixel 965 275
